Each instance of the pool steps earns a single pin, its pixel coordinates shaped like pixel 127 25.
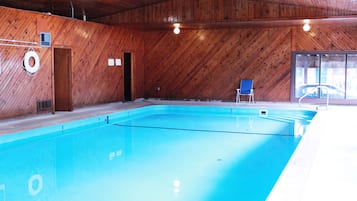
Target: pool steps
pixel 298 123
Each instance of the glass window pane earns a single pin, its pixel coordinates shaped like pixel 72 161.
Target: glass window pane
pixel 351 79
pixel 307 74
pixel 333 75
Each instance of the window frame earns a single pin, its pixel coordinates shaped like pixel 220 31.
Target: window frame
pixel 319 100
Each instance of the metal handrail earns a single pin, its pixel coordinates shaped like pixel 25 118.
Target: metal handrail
pixel 18 43
pixel 312 91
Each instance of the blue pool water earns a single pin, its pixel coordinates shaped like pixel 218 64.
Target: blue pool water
pixel 155 153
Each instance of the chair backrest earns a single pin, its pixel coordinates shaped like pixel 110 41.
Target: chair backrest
pixel 246 86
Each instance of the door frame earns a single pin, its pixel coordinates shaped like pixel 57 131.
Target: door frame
pixel 53 77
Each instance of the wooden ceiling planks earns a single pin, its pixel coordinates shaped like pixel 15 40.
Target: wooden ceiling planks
pixel 90 8
pixel 150 11
pixel 347 5
pixel 227 13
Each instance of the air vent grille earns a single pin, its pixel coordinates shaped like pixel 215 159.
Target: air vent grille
pixel 44 105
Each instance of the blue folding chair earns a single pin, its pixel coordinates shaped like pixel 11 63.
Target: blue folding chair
pixel 246 89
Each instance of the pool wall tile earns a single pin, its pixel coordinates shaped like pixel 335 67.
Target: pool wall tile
pixel 102 120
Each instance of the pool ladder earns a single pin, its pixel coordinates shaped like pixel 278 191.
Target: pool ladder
pixel 312 91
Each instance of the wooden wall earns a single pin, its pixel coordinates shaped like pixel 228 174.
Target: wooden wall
pixel 208 64
pixel 333 37
pixel 224 41
pixel 91 44
pixel 199 63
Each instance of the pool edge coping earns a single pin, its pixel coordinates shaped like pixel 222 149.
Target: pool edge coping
pixel 291 183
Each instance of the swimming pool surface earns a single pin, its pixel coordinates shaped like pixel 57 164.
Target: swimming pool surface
pixel 155 153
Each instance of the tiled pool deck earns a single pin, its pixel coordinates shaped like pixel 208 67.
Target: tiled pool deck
pixel 323 166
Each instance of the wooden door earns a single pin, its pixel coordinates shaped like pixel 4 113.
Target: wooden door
pixel 62 79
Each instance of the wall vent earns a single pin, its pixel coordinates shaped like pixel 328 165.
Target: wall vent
pixel 44 105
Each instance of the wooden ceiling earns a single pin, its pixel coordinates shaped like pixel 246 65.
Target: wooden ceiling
pixel 347 5
pixel 93 9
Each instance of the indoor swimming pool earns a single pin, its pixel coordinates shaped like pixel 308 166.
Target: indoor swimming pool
pixel 160 152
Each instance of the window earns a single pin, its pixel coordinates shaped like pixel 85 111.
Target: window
pixel 351 77
pixel 322 73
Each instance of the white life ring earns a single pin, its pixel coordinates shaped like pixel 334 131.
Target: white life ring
pixel 34 190
pixel 28 67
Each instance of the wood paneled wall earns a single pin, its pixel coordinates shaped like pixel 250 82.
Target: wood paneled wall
pixel 326 37
pixel 208 64
pixel 196 64
pixel 92 44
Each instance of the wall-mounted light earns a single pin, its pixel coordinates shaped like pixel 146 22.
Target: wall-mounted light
pixel 306 26
pixel 177 28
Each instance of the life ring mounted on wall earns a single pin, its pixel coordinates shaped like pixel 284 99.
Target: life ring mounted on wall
pixel 27 62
